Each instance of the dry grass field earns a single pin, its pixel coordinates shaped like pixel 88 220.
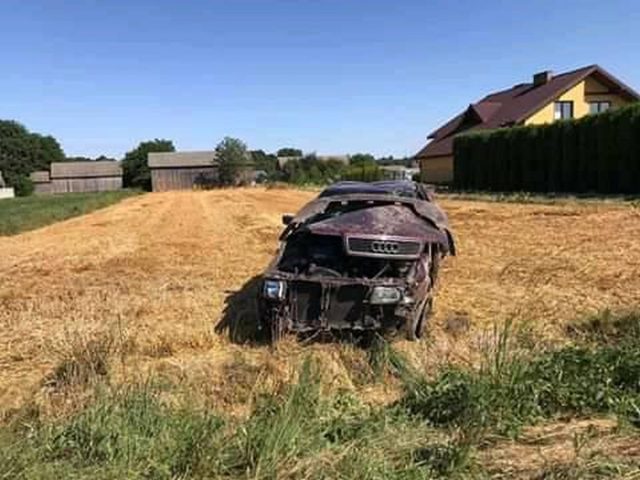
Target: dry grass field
pixel 160 287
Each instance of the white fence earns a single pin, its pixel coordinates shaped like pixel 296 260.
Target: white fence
pixel 6 193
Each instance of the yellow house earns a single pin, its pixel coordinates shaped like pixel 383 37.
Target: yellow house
pixel 547 98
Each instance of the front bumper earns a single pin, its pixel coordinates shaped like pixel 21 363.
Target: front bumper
pixel 340 304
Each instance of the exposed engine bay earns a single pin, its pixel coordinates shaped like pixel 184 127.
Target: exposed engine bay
pixel 325 255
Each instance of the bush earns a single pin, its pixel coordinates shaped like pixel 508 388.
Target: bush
pixel 23 186
pixel 136 173
pixel 597 153
pixel 363 173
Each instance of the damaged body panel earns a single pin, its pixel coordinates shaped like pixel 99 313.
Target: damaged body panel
pixel 360 257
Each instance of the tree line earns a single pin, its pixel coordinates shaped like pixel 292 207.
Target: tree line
pixel 23 152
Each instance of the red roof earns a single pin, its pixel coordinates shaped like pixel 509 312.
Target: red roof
pixel 512 106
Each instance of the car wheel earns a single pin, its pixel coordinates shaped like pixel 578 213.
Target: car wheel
pixel 418 327
pixel 276 330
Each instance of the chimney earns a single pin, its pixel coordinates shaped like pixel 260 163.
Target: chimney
pixel 542 77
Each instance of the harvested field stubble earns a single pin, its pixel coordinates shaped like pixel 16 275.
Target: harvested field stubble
pixel 139 288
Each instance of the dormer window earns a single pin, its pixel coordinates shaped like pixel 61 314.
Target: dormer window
pixel 563 111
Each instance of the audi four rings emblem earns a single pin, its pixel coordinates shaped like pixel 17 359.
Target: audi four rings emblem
pixel 384 247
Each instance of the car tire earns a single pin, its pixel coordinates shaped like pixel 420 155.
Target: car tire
pixel 417 329
pixel 276 330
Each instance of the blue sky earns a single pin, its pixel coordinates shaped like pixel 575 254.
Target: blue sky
pixel 332 76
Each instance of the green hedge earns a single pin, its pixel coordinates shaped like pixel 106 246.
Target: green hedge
pixel 597 153
pixel 362 173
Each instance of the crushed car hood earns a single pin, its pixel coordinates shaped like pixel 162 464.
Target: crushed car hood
pixel 403 216
pixel 383 220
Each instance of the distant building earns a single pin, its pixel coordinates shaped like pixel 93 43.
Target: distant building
pixel 41 182
pixel 182 170
pixel 78 177
pixel 5 192
pixel 546 99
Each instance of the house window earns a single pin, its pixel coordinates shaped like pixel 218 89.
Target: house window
pixel 599 107
pixel 563 110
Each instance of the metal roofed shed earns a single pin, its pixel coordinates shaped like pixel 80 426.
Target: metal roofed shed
pixel 41 182
pixel 75 177
pixel 85 169
pixel 78 177
pixel 182 170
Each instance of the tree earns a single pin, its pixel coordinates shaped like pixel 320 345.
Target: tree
pixel 265 161
pixel 233 157
pixel 289 152
pixel 101 158
pixel 312 170
pixel 135 168
pixel 363 167
pixel 79 158
pixel 23 186
pixel 104 158
pixel 362 159
pixel 46 151
pixel 363 173
pixel 23 152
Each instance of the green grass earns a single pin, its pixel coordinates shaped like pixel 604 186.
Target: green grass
pixel 434 431
pixel 513 389
pixel 19 215
pixel 297 433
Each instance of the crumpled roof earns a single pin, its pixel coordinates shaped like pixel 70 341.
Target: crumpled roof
pixel 425 211
pixel 389 220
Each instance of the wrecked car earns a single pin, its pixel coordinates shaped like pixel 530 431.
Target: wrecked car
pixel 361 256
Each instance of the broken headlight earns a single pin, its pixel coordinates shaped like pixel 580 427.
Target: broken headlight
pixel 385 295
pixel 273 289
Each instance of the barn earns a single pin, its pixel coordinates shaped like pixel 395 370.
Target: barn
pixel 41 182
pixel 75 177
pixel 182 170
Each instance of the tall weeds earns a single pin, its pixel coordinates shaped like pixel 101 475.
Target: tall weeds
pixel 511 388
pixel 299 433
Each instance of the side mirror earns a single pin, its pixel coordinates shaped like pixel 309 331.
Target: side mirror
pixel 287 218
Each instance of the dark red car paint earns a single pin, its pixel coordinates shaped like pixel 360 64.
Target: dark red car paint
pixel 330 260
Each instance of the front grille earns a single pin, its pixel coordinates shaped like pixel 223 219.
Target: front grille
pixel 383 248
pixel 343 305
pixel 306 301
